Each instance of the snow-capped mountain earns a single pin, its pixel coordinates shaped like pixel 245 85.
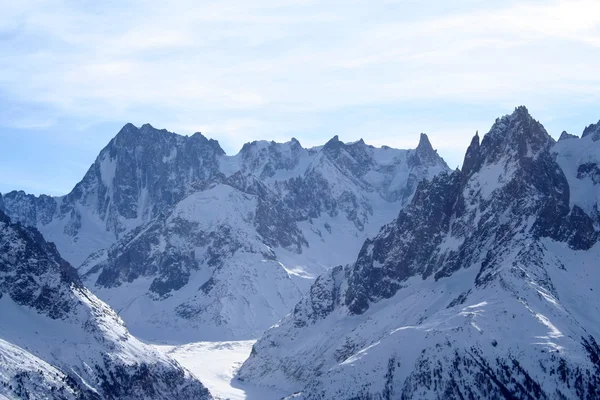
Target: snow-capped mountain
pixel 189 243
pixel 139 174
pixel 59 341
pixel 485 286
pixel 236 254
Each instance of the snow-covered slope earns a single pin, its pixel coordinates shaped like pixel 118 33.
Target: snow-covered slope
pixel 58 340
pixel 216 363
pixel 579 158
pixel 237 252
pixel 203 271
pixel 485 286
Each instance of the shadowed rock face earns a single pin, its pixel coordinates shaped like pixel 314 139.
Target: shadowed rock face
pixel 150 163
pixel 497 236
pixel 32 272
pixel 592 130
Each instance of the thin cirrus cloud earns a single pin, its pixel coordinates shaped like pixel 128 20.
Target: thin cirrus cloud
pixel 239 71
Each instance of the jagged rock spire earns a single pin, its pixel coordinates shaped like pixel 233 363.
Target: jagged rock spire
pixel 425 154
pixel 424 144
pixel 472 160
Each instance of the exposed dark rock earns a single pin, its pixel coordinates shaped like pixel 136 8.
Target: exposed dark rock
pixel 565 135
pixel 592 130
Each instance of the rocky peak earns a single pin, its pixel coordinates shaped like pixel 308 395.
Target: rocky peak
pixel 424 146
pixel 516 137
pixel 472 160
pixel 425 154
pixel 147 128
pixel 128 129
pixel 593 130
pixel 565 135
pixel 352 159
pixel 265 158
pixel 468 239
pixel 536 191
pixel 250 147
pixel 130 136
pixel 295 145
pixel 139 174
pixel 333 147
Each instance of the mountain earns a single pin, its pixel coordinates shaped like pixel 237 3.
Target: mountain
pixel 59 341
pixel 484 286
pixel 580 161
pixel 189 243
pixel 237 253
pixel 139 174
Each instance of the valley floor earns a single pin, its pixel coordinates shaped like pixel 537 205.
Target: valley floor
pixel 215 364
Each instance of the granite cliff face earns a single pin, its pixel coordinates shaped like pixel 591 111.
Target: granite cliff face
pixel 481 287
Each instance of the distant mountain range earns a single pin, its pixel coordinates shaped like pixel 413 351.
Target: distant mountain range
pixel 391 276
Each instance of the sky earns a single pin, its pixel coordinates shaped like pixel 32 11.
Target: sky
pixel 72 73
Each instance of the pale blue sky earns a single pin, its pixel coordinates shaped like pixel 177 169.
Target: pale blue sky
pixel 72 73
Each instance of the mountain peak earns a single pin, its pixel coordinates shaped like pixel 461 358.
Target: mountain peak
pixel 425 153
pixel 256 145
pixel 424 144
pixel 198 135
pixel 335 139
pixel 333 146
pixel 129 126
pixel 517 136
pixel 128 129
pixel 594 130
pixel 472 160
pixel 565 135
pixel 130 134
pixel 522 110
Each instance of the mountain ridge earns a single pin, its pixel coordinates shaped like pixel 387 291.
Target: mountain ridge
pixel 131 226
pixel 475 291
pixel 62 341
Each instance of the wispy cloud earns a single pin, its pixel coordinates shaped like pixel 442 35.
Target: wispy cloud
pixel 240 70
